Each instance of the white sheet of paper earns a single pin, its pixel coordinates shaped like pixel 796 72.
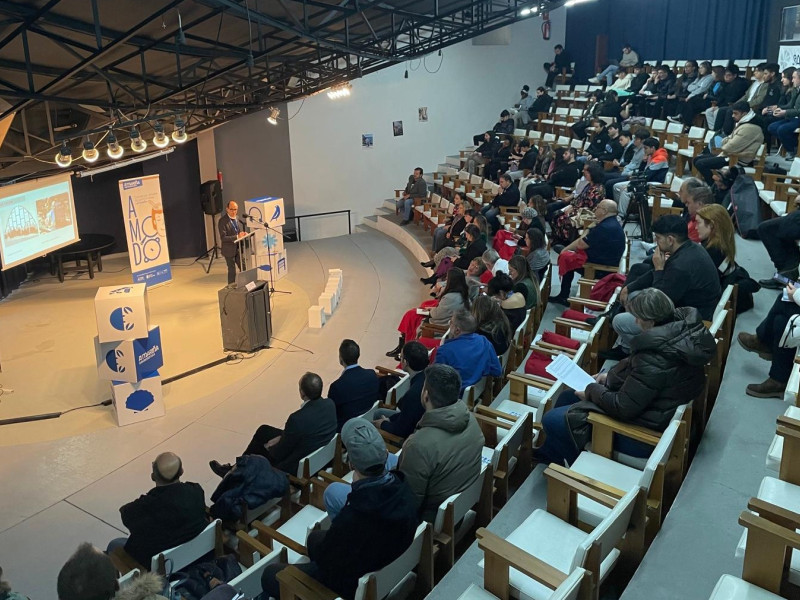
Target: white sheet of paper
pixel 510 243
pixel 570 374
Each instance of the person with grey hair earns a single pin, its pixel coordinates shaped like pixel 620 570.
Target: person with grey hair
pixel 666 368
pixel 494 263
pixel 694 195
pixel 467 351
pixel 443 456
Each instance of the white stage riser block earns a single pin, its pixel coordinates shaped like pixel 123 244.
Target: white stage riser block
pixel 130 360
pixel 316 317
pixel 268 209
pixel 122 312
pixel 136 402
pixel 334 298
pixel 334 282
pixel 327 304
pixel 332 289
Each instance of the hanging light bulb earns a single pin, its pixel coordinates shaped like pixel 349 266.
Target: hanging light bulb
pixel 160 139
pixel 340 91
pixel 272 119
pixel 179 133
pixel 90 153
pixel 137 141
pixel 64 156
pixel 115 150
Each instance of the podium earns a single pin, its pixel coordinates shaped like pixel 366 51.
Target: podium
pixel 245 317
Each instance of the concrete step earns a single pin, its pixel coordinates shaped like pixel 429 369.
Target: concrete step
pixel 388 205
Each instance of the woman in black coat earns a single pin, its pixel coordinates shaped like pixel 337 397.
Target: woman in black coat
pixel 475 247
pixel 666 368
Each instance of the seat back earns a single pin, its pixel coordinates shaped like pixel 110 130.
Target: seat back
pixel 128 578
pixel 562 111
pixel 563 141
pixel 473 392
pixel 658 125
pixel 723 300
pixel 794 170
pixel 178 557
pixel 462 502
pixel 570 588
pixel 316 461
pixel 435 198
pixel 464 175
pixel 696 133
pixel 389 576
pixel 248 582
pixel 660 454
pixel 576 112
pixel 675 128
pixel 512 442
pixel 398 390
pixel 610 530
pixel 476 180
pixel 368 415
pixel 675 184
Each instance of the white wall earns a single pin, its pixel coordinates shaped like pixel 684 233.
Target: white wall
pixel 331 170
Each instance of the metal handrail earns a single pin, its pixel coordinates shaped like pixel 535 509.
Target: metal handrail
pixel 297 218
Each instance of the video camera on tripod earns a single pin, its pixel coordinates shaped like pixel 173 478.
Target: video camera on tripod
pixel 638 189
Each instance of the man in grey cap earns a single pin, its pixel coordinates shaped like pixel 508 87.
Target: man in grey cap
pixel 372 528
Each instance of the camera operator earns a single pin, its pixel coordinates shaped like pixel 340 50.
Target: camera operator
pixel 654 167
pixel 630 162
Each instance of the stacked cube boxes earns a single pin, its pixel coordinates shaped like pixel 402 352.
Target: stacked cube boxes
pixel 128 352
pixel 270 254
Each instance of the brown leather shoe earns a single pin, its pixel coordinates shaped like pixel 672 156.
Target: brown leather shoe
pixel 768 389
pixel 751 343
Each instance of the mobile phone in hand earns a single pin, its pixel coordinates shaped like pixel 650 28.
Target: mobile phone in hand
pixel 784 280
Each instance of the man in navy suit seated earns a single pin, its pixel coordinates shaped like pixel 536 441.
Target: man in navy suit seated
pixel 356 390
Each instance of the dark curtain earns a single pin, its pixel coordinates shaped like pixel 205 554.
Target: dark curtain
pixel 668 30
pixel 10 280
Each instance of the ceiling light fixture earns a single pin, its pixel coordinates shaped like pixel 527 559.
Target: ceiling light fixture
pixel 274 113
pixel 115 150
pixel 124 163
pixel 137 141
pixel 160 139
pixel 525 12
pixel 339 91
pixel 64 156
pixel 180 37
pixel 179 133
pixel 90 153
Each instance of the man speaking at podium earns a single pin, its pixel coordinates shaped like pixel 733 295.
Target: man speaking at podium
pixel 230 230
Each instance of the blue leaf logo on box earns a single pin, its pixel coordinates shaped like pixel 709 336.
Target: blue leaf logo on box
pixel 139 400
pixel 122 318
pixel 122 290
pixel 112 360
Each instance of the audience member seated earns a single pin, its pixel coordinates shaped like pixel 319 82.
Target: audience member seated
pixel 755 96
pixel 622 84
pixel 475 247
pixel 541 104
pixel 401 422
pixel 453 227
pixel 715 231
pixel 790 81
pixel 501 159
pixel 356 390
pixel 654 167
pixel 171 513
pixel 682 270
pixel 766 342
pixel 733 89
pixel 744 141
pixel 696 90
pixel 603 244
pixel 454 297
pixel 523 117
pixel 525 281
pixel 613 148
pixel 657 91
pixel 494 264
pixel 561 65
pixel 512 302
pixel 629 59
pixel 475 273
pixel 538 256
pixel 492 323
pixel 484 153
pixel 529 219
pixel 563 229
pixel 527 163
pixel 6 593
pixel 307 429
pixel 780 236
pixel 589 116
pixel 416 189
pixel 563 171
pixel 788 121
pixel 467 351
pixel 508 196
pixel 599 140
pixel 88 575
pixel 629 162
pixel 443 456
pixel 665 370
pixel 373 525
pixel 682 84
pixel 694 195
pixel 453 245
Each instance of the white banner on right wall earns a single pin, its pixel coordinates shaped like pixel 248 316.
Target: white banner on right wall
pixel 789 56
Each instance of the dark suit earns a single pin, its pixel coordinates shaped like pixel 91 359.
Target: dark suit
pixel 409 409
pixel 353 393
pixel 228 234
pixel 307 429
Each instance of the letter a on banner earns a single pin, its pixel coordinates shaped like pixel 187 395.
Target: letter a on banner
pixel 145 229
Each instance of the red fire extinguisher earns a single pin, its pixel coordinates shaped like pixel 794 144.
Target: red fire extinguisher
pixel 546 26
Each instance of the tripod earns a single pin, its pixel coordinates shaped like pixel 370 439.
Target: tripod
pixel 267 228
pixel 213 252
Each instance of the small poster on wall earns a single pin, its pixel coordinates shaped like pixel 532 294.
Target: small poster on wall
pixel 397 128
pixel 423 114
pixel 366 140
pixel 789 56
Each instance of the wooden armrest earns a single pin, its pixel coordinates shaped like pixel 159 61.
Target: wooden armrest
pixel 124 562
pixel 789 423
pixel 273 535
pixel 787 536
pixel 296 481
pixel 573 323
pixel 331 478
pixel 555 349
pixel 588 481
pixel 556 479
pixel 587 303
pixel 391 438
pixel 777 178
pixel 296 585
pixel 491 412
pixel 635 432
pixel 532 380
pixel 776 514
pixel 508 554
pixel 491 422
pixel 248 545
pixel 386 371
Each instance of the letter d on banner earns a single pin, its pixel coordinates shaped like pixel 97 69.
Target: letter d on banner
pixel 145 229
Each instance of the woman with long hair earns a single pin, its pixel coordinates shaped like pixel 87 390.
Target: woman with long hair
pixel 492 323
pixel 538 256
pixel 476 245
pixel 563 230
pixel 454 297
pixel 525 280
pixel 512 303
pixel 695 101
pixel 786 100
pixel 715 229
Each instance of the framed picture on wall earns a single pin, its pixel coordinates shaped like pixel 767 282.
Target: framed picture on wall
pixel 790 24
pixel 367 140
pixel 397 128
pixel 423 114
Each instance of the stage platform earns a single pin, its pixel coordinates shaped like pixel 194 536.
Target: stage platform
pixel 64 480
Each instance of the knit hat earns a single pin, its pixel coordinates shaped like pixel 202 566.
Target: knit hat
pixel 365 446
pixel 529 213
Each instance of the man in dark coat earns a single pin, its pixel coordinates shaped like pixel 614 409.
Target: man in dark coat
pixel 307 429
pixel 508 196
pixel 230 230
pixel 401 422
pixel 356 390
pixel 373 528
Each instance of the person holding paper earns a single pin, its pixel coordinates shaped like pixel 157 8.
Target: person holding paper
pixel 665 369
pixel 230 231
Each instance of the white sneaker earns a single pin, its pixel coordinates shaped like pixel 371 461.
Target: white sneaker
pixel 675 119
pixel 594 80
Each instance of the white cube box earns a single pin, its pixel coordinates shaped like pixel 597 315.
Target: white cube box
pixel 316 317
pixel 327 303
pixel 268 209
pixel 130 360
pixel 136 402
pixel 337 282
pixel 332 289
pixel 122 312
pixel 275 263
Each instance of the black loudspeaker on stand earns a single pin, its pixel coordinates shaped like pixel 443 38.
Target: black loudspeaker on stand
pixel 211 201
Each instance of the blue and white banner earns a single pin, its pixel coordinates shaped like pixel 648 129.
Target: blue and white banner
pixel 146 231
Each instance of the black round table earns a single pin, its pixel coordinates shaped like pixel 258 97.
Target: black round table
pixel 88 248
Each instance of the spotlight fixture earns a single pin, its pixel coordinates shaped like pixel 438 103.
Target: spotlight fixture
pixel 180 37
pixel 179 133
pixel 137 141
pixel 274 113
pixel 525 12
pixel 405 75
pixel 90 153
pixel 339 91
pixel 160 140
pixel 115 150
pixel 64 156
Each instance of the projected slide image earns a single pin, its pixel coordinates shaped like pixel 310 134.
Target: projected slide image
pixel 36 218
